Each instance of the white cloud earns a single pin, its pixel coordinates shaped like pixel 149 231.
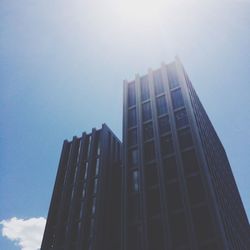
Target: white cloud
pixel 25 233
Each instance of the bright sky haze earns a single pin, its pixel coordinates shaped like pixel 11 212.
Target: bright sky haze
pixel 62 66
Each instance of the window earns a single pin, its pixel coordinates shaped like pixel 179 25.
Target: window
pixel 149 151
pixel 144 88
pixel 148 131
pixel 86 170
pixel 174 199
pixel 195 189
pixel 97 168
pixel 172 76
pixel 133 157
pixel 135 238
pixel 158 82
pixel 133 207
pixel 153 201
pixel 177 98
pixel 167 145
pixel 170 168
pixel 133 181
pixel 93 209
pixel 178 228
pixel 132 117
pixel 164 125
pixel 203 223
pixel 181 118
pixel 190 163
pixel 185 138
pixel 95 185
pixel 161 105
pixel 132 137
pixel 155 235
pixel 131 94
pixel 151 175
pixel 146 111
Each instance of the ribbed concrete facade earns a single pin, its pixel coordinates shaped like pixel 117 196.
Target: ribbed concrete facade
pixel 85 210
pixel 178 187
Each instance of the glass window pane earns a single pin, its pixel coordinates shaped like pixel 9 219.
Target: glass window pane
pixel 149 151
pixel 190 163
pixel 167 145
pixel 133 207
pixel 132 137
pixel 164 125
pixel 155 235
pixel 151 175
pixel 131 117
pixel 173 193
pixel 133 181
pixel 135 238
pixel 133 157
pixel 153 201
pixel 172 76
pixel 158 82
pixel 177 98
pixel 195 189
pixel 144 88
pixel 148 131
pixel 146 111
pixel 181 118
pixel 170 169
pixel 161 105
pixel 131 94
pixel 185 138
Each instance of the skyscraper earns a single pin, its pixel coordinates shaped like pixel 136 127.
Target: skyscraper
pixel 178 188
pixel 86 203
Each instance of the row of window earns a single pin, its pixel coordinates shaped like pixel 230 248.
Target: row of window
pixel 161 107
pixel 158 85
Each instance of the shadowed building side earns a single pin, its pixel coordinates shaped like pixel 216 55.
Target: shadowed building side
pixel 85 207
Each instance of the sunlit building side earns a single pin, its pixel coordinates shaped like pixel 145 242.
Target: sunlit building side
pixel 178 188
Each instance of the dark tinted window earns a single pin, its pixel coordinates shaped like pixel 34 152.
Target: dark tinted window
pixel 161 105
pixel 133 207
pixel 179 229
pixel 174 199
pixel 148 131
pixel 146 111
pixel 170 168
pixel 131 94
pixel 133 181
pixel 144 88
pixel 132 137
pixel 172 76
pixel 135 238
pixel 149 151
pixel 153 201
pixel 190 163
pixel 133 157
pixel 132 117
pixel 185 138
pixel 155 235
pixel 203 223
pixel 151 175
pixel 167 145
pixel 181 118
pixel 195 189
pixel 158 83
pixel 177 98
pixel 164 125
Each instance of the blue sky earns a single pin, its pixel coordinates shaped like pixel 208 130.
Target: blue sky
pixel 62 64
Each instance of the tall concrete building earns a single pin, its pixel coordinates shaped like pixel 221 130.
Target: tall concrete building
pixel 85 209
pixel 178 188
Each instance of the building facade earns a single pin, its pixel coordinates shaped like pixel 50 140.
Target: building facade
pixel 178 188
pixel 85 209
